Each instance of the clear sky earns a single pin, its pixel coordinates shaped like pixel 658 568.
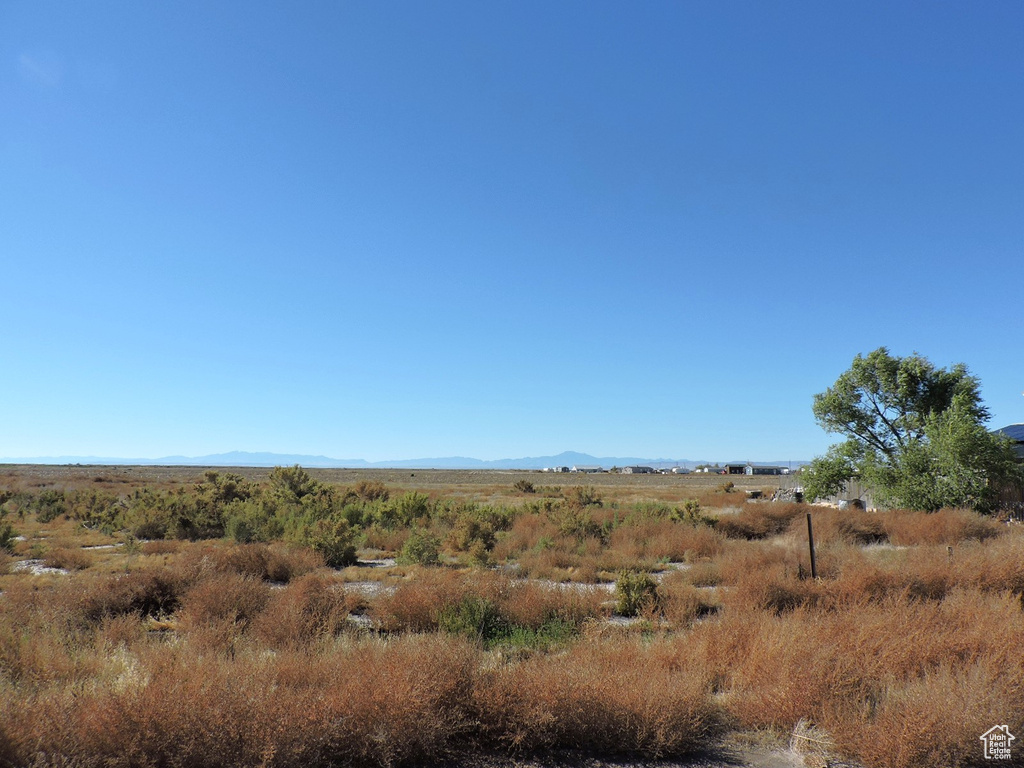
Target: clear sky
pixel 389 230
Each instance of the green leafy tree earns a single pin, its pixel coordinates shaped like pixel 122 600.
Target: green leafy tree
pixel 914 432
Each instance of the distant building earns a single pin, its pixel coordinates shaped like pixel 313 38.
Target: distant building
pixel 589 469
pixel 764 469
pixel 637 470
pixel 680 471
pixel 735 469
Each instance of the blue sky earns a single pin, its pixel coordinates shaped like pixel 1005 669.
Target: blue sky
pixel 400 230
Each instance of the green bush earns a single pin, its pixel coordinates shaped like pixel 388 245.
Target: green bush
pixel 690 512
pixel 7 534
pixel 474 617
pixel 581 496
pixel 421 548
pixel 331 537
pixel 635 592
pixel 469 531
pixel 49 505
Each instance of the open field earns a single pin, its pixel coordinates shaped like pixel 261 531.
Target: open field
pixel 178 616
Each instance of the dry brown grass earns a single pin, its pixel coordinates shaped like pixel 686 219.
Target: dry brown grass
pixel 310 609
pixel 416 605
pixel 68 558
pixel 615 697
pixel 369 705
pixel 645 542
pixel 761 520
pixel 947 526
pixel 276 563
pixel 218 610
pixel 680 602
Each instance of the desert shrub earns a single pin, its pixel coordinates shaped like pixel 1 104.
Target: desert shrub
pixel 252 520
pixel 576 521
pixel 7 534
pixel 690 512
pixel 49 505
pixel 93 507
pixel 524 486
pixel 420 548
pixel 332 538
pixel 291 484
pixel 474 617
pixel 412 506
pixel 471 531
pixel 635 592
pixel 369 490
pixel 581 496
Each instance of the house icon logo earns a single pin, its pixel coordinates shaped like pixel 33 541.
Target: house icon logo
pixel 997 742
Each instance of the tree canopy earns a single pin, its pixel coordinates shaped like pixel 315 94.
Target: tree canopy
pixel 914 433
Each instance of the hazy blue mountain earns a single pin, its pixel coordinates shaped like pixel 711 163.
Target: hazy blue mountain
pixel 266 459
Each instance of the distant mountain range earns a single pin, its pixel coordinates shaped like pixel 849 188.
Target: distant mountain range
pixel 246 459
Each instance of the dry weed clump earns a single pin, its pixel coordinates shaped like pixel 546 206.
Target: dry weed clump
pixel 681 602
pixel 403 703
pixel 833 526
pixel 417 603
pixel 161 547
pixel 947 526
pixel 835 667
pixel 153 592
pixel 531 605
pixel 644 542
pixel 217 610
pixel 761 520
pixel 614 697
pixel 276 563
pixel 420 604
pixel 934 719
pixel 741 559
pixel 67 558
pixel 308 609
